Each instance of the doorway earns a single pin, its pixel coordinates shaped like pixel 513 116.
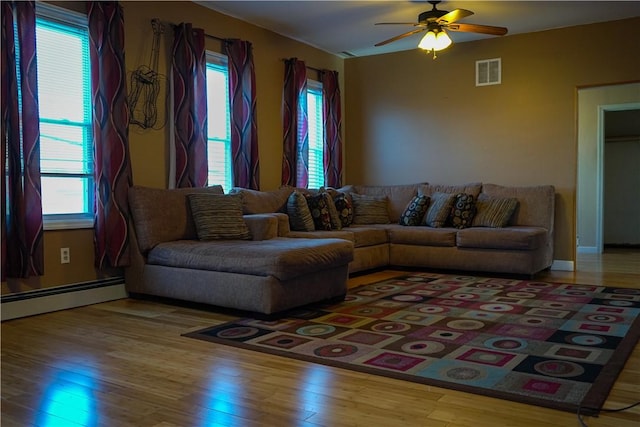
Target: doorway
pixel 594 103
pixel 621 180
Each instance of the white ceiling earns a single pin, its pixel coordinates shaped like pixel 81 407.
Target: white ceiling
pixel 347 27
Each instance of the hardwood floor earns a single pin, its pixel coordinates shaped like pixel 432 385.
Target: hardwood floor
pixel 124 363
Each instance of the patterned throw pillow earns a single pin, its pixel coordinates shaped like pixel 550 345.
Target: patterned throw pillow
pixel 370 209
pixel 218 216
pixel 336 223
pixel 463 210
pixel 319 211
pixel 493 212
pixel 439 209
pixel 300 218
pixel 415 211
pixel 345 208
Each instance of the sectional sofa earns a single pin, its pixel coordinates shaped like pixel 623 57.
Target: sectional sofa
pixel 273 265
pixel 523 246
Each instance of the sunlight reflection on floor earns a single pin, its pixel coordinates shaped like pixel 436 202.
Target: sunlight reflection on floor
pixel 68 400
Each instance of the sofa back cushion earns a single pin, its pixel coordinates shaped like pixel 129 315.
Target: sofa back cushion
pixel 472 188
pixel 161 215
pixel 398 196
pixel 258 202
pixel 536 205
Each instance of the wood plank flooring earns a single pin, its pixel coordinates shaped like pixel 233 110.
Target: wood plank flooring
pixel 124 363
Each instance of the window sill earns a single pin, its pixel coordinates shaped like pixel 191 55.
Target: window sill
pixel 66 224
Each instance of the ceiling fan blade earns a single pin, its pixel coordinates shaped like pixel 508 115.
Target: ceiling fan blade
pixel 415 24
pixel 401 36
pixel 475 28
pixel 454 15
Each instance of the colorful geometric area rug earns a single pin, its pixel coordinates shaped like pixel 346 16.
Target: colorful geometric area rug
pixel 555 345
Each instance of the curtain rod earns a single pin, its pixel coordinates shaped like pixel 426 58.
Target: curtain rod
pixel 211 36
pixel 214 37
pixel 317 70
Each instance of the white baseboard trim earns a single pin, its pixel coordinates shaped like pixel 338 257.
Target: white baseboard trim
pixel 588 250
pixel 46 300
pixel 563 265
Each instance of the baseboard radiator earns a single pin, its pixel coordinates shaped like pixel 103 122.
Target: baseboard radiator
pixel 39 301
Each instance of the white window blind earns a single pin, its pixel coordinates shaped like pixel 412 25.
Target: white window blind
pixel 64 97
pixel 218 122
pixel 316 134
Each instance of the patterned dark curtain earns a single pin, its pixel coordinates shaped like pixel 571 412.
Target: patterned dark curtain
pixel 189 69
pixel 331 109
pixel 295 123
pixel 112 161
pixel 244 132
pixel 22 236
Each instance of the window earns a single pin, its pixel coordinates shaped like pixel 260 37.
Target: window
pixel 218 122
pixel 64 96
pixel 316 133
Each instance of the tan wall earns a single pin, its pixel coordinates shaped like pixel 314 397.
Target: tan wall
pixel 413 119
pixel 149 147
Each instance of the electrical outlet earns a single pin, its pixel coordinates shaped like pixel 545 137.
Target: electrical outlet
pixel 65 256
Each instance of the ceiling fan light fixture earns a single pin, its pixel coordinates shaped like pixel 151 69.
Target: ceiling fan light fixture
pixel 435 41
pixel 428 42
pixel 442 40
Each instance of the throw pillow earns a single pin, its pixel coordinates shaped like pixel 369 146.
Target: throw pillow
pixel 492 212
pixel 299 215
pixel 218 216
pixel 414 212
pixel 336 224
pixel 344 206
pixel 370 209
pixel 439 209
pixel 463 210
pixel 319 211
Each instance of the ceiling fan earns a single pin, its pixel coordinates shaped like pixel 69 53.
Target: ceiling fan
pixel 434 22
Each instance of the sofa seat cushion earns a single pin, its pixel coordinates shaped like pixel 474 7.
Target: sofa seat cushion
pixel 369 235
pixel 359 235
pixel 518 238
pixel 321 234
pixel 282 258
pixel 421 235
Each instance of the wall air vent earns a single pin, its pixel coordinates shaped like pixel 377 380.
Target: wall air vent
pixel 489 72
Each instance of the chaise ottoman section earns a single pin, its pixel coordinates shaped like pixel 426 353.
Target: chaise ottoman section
pixel 282 258
pixel 266 274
